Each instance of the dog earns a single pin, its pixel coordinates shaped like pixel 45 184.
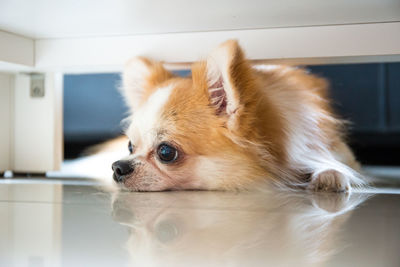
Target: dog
pixel 231 126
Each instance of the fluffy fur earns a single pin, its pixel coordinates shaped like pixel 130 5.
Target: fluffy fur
pixel 235 126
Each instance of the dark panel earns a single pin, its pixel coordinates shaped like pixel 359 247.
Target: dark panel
pixel 182 73
pixel 358 93
pixel 393 99
pixel 93 107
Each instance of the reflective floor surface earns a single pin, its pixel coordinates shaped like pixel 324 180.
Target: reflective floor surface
pixel 81 224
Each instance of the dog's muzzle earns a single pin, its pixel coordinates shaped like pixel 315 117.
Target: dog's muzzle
pixel 121 169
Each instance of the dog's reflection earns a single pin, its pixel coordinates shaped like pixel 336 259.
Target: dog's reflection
pixel 233 229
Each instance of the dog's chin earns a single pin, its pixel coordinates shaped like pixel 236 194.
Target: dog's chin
pixel 142 185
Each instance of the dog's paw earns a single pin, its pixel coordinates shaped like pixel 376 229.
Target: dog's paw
pixel 330 181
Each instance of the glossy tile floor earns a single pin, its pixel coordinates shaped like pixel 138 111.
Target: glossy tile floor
pixel 75 223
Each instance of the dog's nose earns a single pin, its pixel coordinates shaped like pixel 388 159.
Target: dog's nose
pixel 121 168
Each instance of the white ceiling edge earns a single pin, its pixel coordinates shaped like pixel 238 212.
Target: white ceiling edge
pixel 16 50
pixel 377 42
pixel 44 19
pixel 301 45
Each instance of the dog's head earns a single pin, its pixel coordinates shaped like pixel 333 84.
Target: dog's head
pixel 191 133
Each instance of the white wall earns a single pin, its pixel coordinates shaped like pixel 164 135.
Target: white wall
pixel 6 82
pixel 37 134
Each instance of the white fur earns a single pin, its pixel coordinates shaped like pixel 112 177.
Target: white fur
pixel 133 79
pixel 307 151
pixel 281 69
pixel 147 117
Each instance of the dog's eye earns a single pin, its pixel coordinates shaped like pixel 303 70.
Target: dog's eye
pixel 130 147
pixel 167 153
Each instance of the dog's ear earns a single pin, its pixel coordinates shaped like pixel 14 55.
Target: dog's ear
pixel 140 78
pixel 229 79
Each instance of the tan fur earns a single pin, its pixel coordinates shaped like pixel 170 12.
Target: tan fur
pixel 251 140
